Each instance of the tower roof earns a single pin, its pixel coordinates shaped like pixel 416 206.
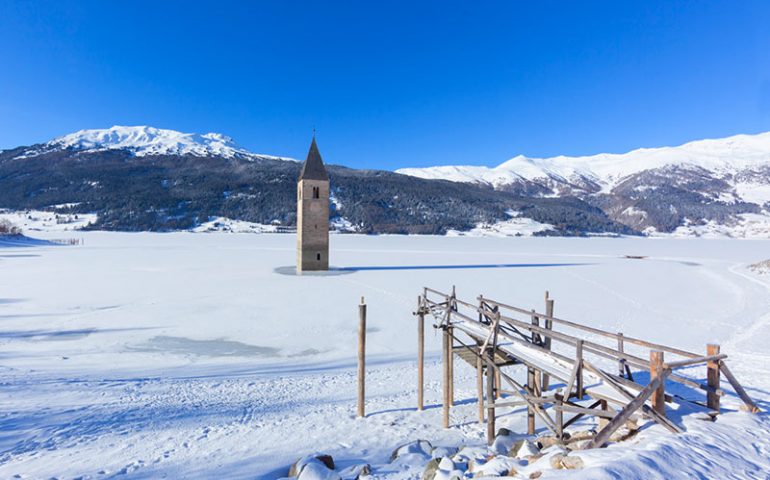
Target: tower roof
pixel 313 169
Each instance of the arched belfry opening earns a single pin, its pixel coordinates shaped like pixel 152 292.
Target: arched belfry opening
pixel 313 213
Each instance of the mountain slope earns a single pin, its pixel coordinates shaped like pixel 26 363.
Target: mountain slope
pixel 657 189
pixel 144 141
pixel 130 186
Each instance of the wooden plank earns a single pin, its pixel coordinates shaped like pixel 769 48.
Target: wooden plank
pixel 604 434
pixel 750 405
pixel 712 376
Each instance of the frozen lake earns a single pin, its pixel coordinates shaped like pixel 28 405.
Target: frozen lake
pixel 187 355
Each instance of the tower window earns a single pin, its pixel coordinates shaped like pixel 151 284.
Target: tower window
pixel 316 192
pixel 318 256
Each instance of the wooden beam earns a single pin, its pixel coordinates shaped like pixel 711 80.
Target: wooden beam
pixel 750 405
pixel 490 399
pixel 619 388
pixel 604 434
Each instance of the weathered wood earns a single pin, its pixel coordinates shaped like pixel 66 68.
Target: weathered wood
pixel 656 368
pixel 420 355
pixel 604 434
pixel 548 326
pixel 558 404
pixel 451 361
pixel 621 361
pixel 490 398
pixel 361 358
pixel 480 386
pixel 619 388
pixel 531 408
pixel 696 361
pixel 750 405
pixel 498 382
pixel 580 415
pixel 603 413
pixel 445 370
pixel 578 326
pixel 712 376
pixel 602 420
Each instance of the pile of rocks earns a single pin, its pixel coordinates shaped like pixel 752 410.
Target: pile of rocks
pixel 509 456
pixel 762 268
pixel 321 467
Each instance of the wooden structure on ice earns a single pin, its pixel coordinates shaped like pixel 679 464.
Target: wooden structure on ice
pixel 566 364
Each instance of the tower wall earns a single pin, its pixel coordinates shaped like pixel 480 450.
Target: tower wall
pixel 312 225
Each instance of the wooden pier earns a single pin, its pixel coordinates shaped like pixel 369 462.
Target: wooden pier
pixel 572 369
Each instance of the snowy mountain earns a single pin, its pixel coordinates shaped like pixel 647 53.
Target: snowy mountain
pixel 717 183
pixel 145 141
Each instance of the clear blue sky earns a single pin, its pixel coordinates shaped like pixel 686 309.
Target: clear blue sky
pixel 390 84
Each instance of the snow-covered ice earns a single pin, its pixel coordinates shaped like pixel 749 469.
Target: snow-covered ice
pixel 182 355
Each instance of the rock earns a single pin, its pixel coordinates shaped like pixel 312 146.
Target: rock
pixel 503 442
pixel 535 475
pixel 556 461
pixel 568 462
pixel 523 449
pixel 356 472
pixel 316 470
pixel 447 464
pixel 322 458
pixel 418 447
pixel 441 452
pixel 430 470
pixel 572 462
pixel 533 458
pixel 470 454
pixel 443 469
pixel 500 466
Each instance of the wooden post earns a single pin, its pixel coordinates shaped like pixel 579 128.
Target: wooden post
pixel 549 326
pixel 603 421
pixel 498 384
pixel 445 365
pixel 579 377
pixel 420 355
pixel 451 359
pixel 656 368
pixel 712 377
pixel 490 403
pixel 559 414
pixel 480 386
pixel 621 361
pixel 361 357
pixel 530 408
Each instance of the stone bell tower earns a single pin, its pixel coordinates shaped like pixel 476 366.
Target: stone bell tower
pixel 313 213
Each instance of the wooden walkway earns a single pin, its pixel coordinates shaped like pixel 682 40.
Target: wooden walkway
pixel 566 364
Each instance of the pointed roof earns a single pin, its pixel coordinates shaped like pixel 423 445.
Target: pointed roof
pixel 313 169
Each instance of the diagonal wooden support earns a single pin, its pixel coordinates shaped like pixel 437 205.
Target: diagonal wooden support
pixel 645 408
pixel 750 405
pixel 604 434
